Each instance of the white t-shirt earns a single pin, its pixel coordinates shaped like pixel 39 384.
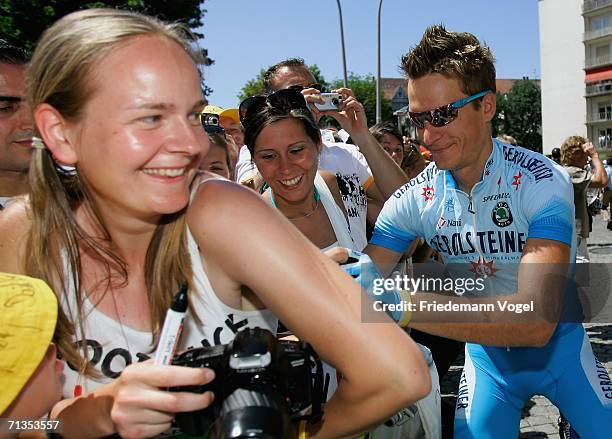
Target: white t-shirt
pixel 245 166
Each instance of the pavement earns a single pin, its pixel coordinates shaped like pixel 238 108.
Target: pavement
pixel 539 417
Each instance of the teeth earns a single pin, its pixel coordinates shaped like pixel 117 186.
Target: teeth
pixel 165 172
pixel 291 182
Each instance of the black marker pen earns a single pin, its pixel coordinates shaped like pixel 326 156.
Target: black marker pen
pixel 173 326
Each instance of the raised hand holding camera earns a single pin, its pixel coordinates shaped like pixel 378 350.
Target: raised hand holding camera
pixel 331 101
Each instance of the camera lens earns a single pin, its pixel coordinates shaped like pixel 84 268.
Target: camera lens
pixel 335 101
pixel 211 119
pixel 254 415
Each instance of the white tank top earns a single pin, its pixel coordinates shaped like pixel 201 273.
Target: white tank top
pixel 344 239
pixel 335 215
pixel 112 346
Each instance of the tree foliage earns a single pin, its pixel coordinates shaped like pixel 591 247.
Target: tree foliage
pixel 364 88
pixel 255 86
pixel 519 114
pixel 22 22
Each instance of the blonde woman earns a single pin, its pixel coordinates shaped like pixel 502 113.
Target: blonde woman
pixel 115 223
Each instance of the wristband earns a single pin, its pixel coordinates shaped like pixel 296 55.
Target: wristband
pixel 302 433
pixel 406 297
pixel 364 271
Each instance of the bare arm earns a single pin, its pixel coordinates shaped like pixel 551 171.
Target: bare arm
pixel 316 300
pixel 541 278
pixel 383 258
pixel 388 176
pixel 600 176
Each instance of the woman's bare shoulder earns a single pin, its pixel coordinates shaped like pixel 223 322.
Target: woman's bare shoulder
pixel 224 204
pixel 15 224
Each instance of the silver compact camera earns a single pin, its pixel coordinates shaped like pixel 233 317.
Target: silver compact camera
pixel 333 101
pixel 210 119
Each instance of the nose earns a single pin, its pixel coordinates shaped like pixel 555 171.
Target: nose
pixel 188 139
pixel 284 164
pixel 430 133
pixel 24 117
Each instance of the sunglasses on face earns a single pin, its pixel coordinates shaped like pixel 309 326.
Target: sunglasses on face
pixel 438 117
pixel 287 99
pixel 210 123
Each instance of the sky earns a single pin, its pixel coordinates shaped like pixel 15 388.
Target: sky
pixel 244 36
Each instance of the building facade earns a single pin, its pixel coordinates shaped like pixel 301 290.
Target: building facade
pixel 576 65
pixel 597 38
pixel 562 71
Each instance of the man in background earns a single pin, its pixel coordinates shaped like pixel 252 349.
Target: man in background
pixel 15 124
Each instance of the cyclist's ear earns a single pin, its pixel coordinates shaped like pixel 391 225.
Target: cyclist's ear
pixel 489 106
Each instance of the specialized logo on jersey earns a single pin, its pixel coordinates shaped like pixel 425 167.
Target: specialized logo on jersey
pixel 483 268
pixel 517 180
pixel 428 193
pixel 496 197
pixel 442 222
pixel 501 214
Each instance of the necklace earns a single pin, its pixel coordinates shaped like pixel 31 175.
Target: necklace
pixel 306 215
pixel 317 197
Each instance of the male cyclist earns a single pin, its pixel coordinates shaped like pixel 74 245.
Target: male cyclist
pixel 505 215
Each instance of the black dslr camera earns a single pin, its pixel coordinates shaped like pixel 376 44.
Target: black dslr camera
pixel 261 386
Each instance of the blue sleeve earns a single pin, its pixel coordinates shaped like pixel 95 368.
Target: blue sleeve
pixel 397 223
pixel 553 221
pixel 549 206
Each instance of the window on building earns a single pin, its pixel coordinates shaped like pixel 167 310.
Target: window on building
pixel 605 111
pixel 602 53
pixel 600 22
pixel 605 138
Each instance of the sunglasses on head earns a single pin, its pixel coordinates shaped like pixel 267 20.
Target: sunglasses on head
pixel 210 123
pixel 286 100
pixel 438 117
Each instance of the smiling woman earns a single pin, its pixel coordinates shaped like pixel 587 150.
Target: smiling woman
pixel 117 96
pixel 285 144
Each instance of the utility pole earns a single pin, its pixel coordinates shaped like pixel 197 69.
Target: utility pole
pixel 378 91
pixel 342 43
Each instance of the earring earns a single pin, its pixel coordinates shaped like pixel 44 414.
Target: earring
pixel 37 143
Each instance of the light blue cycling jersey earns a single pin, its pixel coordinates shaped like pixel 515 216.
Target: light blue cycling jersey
pixel 521 195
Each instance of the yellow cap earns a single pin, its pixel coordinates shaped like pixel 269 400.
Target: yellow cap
pixel 28 315
pixel 232 113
